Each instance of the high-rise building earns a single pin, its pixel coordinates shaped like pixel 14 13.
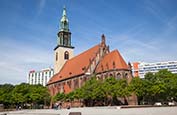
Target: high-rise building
pixel 141 68
pixel 40 77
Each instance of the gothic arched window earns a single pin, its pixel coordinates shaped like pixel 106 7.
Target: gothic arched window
pixel 56 56
pixel 118 76
pixel 66 55
pixel 125 75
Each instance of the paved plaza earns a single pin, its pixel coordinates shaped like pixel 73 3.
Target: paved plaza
pixel 99 111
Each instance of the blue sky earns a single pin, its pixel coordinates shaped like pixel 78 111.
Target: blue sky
pixel 142 30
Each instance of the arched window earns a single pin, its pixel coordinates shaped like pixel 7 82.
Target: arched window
pixel 110 75
pixel 66 55
pixel 56 56
pixel 125 76
pixel 118 76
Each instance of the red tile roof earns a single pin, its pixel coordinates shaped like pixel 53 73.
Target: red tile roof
pixel 74 66
pixel 112 60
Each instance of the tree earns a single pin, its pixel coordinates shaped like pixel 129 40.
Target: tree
pixel 19 94
pixel 39 94
pixel 171 86
pixel 157 86
pixel 23 94
pixel 161 86
pixel 78 93
pixel 89 94
pixel 122 89
pixel 137 86
pixel 69 96
pixel 59 97
pixel 6 94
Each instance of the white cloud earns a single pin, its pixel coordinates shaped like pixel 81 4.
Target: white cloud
pixel 17 59
pixel 135 46
pixel 154 8
pixel 171 25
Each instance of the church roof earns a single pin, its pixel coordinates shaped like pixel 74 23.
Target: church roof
pixel 75 66
pixel 110 61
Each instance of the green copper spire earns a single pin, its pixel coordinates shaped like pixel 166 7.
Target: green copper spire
pixel 64 34
pixel 64 23
pixel 64 11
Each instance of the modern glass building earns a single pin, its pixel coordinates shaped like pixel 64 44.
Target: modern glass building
pixel 141 68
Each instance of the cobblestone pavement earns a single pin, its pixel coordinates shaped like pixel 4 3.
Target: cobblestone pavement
pixel 99 111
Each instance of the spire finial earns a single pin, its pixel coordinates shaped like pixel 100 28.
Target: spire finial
pixel 64 23
pixel 64 11
pixel 103 44
pixel 103 38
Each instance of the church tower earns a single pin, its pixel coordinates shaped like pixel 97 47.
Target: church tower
pixel 63 51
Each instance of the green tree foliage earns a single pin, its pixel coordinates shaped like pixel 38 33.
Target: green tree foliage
pixel 78 93
pixel 6 94
pixel 19 94
pixel 59 97
pixel 137 85
pixel 39 94
pixel 98 92
pixel 158 87
pixel 115 88
pixel 122 88
pixel 161 86
pixel 92 89
pixel 109 86
pixel 23 94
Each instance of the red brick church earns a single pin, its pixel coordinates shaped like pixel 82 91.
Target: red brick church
pixel 71 71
